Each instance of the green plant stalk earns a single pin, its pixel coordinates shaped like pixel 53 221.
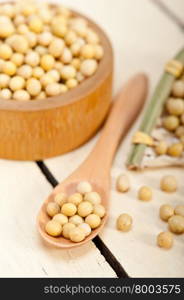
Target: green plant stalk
pixel 152 113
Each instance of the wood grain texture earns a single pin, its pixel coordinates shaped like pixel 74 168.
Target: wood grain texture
pixel 144 39
pixel 40 129
pixel 173 10
pixel 22 252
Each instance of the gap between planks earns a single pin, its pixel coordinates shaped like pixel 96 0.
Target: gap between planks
pixel 104 250
pixel 169 13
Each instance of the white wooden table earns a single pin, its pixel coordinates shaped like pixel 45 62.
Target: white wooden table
pixel 144 35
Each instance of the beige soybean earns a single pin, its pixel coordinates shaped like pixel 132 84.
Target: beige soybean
pixel 59 29
pixel 84 187
pixel 99 52
pixel 93 221
pixel 22 29
pixel 80 29
pixel 64 88
pixel 76 220
pixel 9 68
pixel 46 79
pixel 69 209
pixel 88 67
pixel 45 38
pixel 20 44
pixel 68 72
pixel 75 48
pixel 52 209
pixel 47 62
pixel 123 183
pixel 178 89
pixel 175 107
pixel 75 198
pixel 85 228
pixel 66 56
pixel 21 95
pixel 71 83
pixel 85 208
pixel 124 222
pixel 76 63
pixel 93 198
pixel 61 219
pixel 41 50
pixel 58 66
pixel 179 131
pixel 145 193
pixel 6 94
pixel 70 37
pixel 92 37
pixel 175 150
pixel 32 59
pixel 179 210
pixel 16 83
pixel 53 228
pixel 76 235
pixel 166 212
pixel 99 210
pixel 6 29
pixel 60 198
pixel 53 89
pixel 25 71
pixel 169 184
pixel 66 230
pixel 8 10
pixel 176 224
pixel 161 148
pixel 19 19
pixel 88 51
pixel 5 51
pixel 33 86
pixel 36 24
pixel 4 80
pixel 32 39
pixel 38 72
pixel 17 59
pixel 56 47
pixel 171 123
pixel 55 74
pixel 46 15
pixel 165 240
pixel 28 9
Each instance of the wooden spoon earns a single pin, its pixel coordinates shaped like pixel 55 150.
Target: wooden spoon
pixel 96 168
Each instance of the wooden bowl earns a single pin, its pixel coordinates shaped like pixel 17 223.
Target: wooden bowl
pixel 40 129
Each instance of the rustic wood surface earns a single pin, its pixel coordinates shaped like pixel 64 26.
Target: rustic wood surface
pixel 144 37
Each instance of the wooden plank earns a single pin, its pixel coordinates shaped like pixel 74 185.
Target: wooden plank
pixel 144 39
pixel 175 9
pixel 22 253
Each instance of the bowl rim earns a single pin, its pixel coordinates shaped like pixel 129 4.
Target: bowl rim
pixel 76 94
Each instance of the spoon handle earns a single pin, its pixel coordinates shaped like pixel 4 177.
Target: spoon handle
pixel 125 109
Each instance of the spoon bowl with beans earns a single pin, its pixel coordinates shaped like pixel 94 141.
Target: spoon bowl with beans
pixel 94 173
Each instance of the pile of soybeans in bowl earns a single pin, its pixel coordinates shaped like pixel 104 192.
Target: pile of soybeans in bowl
pixel 75 216
pixel 45 50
